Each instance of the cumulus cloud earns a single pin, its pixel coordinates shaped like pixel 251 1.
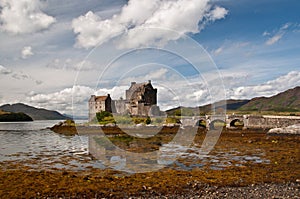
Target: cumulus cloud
pixel 171 93
pixel 217 13
pixel 146 22
pixel 4 71
pixel 23 16
pixel 74 100
pixel 70 64
pixel 27 52
pixel 91 30
pixel 71 100
pixel 280 84
pixel 66 100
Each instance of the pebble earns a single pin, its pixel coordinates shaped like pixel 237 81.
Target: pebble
pixel 267 190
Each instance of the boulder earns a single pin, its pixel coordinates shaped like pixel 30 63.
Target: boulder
pixel 290 130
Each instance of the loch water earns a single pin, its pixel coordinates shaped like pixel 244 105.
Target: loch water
pixel 35 146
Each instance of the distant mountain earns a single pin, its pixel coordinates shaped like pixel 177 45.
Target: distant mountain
pixel 287 101
pixel 76 117
pixel 231 104
pixel 189 111
pixel 34 113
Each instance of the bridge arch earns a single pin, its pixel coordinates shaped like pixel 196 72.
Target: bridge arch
pixel 217 124
pixel 201 123
pixel 236 123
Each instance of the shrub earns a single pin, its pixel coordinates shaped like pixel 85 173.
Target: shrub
pixel 172 120
pixel 148 120
pixel 158 120
pixel 105 117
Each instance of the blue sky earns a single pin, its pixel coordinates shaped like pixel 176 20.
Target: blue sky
pixel 194 51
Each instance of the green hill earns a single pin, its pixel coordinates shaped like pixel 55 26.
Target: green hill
pixel 34 113
pixel 287 101
pixel 13 117
pixel 192 111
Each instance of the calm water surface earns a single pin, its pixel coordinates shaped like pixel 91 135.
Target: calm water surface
pixel 32 144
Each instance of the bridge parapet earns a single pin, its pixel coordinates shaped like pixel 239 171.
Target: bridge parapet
pixel 270 121
pixel 249 121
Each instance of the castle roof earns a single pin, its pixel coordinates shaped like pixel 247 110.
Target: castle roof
pixel 101 98
pixel 139 86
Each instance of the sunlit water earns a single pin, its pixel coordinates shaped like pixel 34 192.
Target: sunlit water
pixel 32 144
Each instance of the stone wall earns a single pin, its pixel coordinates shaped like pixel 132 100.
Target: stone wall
pixel 270 121
pixel 250 121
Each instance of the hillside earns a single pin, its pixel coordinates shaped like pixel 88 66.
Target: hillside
pixel 34 113
pixel 13 117
pixel 190 111
pixel 287 101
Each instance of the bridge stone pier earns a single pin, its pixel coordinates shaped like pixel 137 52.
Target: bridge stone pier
pixel 247 121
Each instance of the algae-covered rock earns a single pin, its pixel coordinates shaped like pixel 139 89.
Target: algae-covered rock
pixel 66 128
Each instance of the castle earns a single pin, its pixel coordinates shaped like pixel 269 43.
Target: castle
pixel 141 100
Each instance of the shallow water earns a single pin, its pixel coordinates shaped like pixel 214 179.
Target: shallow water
pixel 33 145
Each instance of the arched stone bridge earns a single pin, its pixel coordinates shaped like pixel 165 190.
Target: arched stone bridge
pixel 246 121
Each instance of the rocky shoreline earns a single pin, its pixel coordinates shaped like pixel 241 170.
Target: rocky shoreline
pixel 164 184
pixel 74 129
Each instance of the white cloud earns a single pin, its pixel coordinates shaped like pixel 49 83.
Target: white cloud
pixel 23 16
pixel 277 35
pixel 274 39
pixel 285 26
pixel 70 64
pixel 71 100
pixel 92 30
pixel 217 13
pixel 27 52
pixel 18 75
pixel 146 22
pixel 66 100
pixel 280 84
pixel 158 74
pixel 171 93
pixel 4 71
pixel 266 33
pixel 218 51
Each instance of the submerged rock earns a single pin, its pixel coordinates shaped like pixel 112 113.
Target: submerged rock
pixel 290 130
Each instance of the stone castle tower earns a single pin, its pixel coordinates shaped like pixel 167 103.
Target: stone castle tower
pixel 98 104
pixel 141 100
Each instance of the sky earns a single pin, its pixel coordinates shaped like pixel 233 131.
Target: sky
pixel 55 54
